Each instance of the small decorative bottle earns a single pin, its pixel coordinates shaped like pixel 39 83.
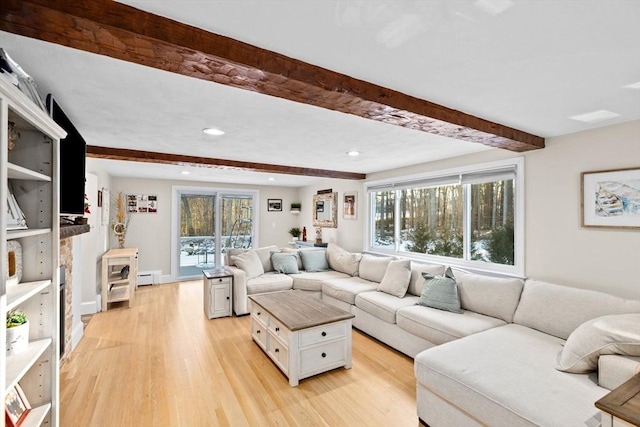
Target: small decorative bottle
pixel 319 235
pixel 304 234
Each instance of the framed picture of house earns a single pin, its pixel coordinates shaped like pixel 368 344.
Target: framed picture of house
pixel 16 406
pixel 611 198
pixel 274 205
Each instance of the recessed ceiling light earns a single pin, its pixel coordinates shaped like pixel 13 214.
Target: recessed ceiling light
pixel 213 131
pixel 493 7
pixel 595 116
pixel 635 85
pixel 271 178
pixel 353 153
pixel 185 172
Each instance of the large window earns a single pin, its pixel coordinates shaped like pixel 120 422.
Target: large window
pixel 472 216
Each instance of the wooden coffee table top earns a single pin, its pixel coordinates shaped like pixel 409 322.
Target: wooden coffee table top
pixel 298 311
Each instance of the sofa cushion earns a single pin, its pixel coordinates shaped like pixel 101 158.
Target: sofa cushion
pixel 313 281
pixel 396 278
pixel 346 289
pixel 383 305
pixel 296 252
pixel 269 282
pixel 264 253
pixel 559 310
pixel 415 284
pixel 493 296
pixel 438 326
pixel 613 334
pixel 372 268
pixel 286 263
pixel 314 260
pixel 343 261
pixel 249 262
pixel 440 292
pixel 506 377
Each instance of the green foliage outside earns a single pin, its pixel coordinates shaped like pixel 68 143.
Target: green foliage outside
pixel 500 245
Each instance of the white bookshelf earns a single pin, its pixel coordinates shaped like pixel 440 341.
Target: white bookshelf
pixel 31 169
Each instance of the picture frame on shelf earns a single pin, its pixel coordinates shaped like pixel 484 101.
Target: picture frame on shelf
pixel 16 406
pixel 15 217
pixel 610 198
pixel 274 205
pixel 349 205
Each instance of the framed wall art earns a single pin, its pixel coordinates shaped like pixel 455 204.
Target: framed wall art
pixel 142 203
pixel 349 206
pixel 611 198
pixel 274 205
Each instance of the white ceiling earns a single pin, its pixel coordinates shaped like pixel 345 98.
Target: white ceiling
pixel 531 67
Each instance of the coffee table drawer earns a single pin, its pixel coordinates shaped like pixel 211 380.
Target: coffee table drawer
pixel 278 329
pixel 322 333
pixel 260 314
pixel 259 333
pixel 279 353
pixel 321 357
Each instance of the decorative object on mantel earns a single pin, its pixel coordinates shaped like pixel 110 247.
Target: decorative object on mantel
pixel 318 234
pixel 295 233
pixel 611 198
pixel 12 135
pixel 142 203
pixel 295 207
pixel 17 332
pixel 14 262
pixel 121 219
pixel 304 234
pixel 274 205
pixel 349 207
pixel 87 206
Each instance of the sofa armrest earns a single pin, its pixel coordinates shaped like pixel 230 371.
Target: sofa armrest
pixel 239 290
pixel 613 370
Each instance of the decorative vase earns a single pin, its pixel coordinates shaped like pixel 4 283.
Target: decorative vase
pixel 17 339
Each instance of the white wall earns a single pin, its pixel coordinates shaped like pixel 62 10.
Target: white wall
pixel 557 248
pixel 349 233
pixel 151 233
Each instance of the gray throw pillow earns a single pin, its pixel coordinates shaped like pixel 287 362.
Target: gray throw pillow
pixel 284 262
pixel 440 292
pixel 314 260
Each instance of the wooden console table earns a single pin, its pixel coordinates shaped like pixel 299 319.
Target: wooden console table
pixel 621 407
pixel 115 287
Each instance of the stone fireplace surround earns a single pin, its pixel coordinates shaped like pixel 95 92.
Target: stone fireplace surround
pixel 66 260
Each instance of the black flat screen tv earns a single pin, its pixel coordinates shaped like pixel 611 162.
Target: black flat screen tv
pixel 73 153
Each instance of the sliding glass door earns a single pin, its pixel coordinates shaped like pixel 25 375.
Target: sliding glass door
pixel 208 223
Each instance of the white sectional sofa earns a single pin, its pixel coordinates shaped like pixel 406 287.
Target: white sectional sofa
pixel 492 364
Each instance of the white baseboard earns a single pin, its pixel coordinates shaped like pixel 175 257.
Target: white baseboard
pixel 88 308
pixel 166 279
pixel 76 334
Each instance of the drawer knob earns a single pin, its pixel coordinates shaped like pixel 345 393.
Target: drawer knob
pixel 258 332
pixel 277 329
pixel 227 297
pixel 259 313
pixel 324 354
pixel 324 334
pixel 219 280
pixel 277 350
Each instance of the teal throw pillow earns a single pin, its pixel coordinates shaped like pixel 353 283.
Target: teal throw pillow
pixel 440 292
pixel 314 260
pixel 286 263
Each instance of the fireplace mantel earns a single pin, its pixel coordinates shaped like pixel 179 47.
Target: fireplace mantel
pixel 67 231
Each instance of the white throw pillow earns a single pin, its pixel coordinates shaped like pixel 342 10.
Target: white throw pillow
pixel 250 263
pixel 343 261
pixel 396 278
pixel 612 334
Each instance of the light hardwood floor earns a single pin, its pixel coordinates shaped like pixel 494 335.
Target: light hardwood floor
pixel 163 363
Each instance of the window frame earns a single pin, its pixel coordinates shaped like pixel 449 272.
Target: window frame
pixel 400 182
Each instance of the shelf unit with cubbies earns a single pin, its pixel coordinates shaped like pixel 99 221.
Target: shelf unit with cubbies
pixel 30 169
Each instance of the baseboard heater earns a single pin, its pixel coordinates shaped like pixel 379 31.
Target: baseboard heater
pixel 149 277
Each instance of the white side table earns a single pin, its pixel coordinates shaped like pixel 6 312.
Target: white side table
pixel 217 293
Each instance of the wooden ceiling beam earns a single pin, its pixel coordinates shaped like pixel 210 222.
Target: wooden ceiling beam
pixel 208 162
pixel 109 28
